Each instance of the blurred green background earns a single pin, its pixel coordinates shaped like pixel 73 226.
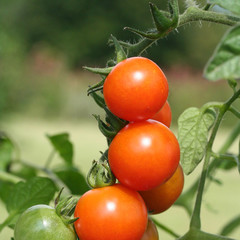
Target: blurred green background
pixel 43 46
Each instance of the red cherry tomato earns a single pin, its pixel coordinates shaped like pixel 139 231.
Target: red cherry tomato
pixel 164 115
pixel 111 213
pixel 151 232
pixel 162 197
pixel 144 154
pixel 135 89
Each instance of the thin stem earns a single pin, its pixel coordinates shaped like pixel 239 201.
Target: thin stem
pixel 50 158
pixel 196 14
pixel 50 174
pixel 5 176
pixel 234 111
pixel 166 229
pixel 195 220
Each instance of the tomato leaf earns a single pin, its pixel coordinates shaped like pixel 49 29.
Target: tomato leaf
pixel 6 149
pixel 225 62
pixel 5 189
pixel 63 146
pixel 231 226
pixel 232 5
pixel 73 178
pixel 193 127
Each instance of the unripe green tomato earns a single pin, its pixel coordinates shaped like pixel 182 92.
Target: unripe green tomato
pixel 41 222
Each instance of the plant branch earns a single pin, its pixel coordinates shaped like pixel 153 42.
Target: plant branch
pixel 166 229
pixel 195 220
pixel 193 14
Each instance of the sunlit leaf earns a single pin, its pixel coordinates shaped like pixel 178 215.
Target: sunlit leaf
pixel 231 5
pixel 63 146
pixel 193 128
pixel 225 62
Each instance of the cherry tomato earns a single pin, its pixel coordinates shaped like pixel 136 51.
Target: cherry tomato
pixel 135 89
pixel 111 213
pixel 144 154
pixel 151 232
pixel 42 222
pixel 162 197
pixel 164 115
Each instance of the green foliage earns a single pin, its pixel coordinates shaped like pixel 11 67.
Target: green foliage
pixel 193 128
pixel 225 62
pixel 232 5
pixel 63 146
pixel 21 196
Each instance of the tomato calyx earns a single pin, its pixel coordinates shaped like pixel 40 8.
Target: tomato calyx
pixel 112 124
pixel 100 174
pixel 65 208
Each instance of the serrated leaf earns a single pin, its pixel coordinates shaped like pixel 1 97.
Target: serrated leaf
pixel 63 146
pixel 6 149
pixel 225 62
pixel 38 190
pixel 73 178
pixel 193 127
pixel 232 5
pixel 231 226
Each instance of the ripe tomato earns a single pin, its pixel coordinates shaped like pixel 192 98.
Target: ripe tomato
pixel 135 89
pixel 164 115
pixel 42 222
pixel 163 196
pixel 113 212
pixel 151 232
pixel 144 154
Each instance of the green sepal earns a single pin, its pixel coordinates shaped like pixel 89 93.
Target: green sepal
pixel 116 123
pixel 96 87
pixel 101 71
pixel 161 18
pixel 120 53
pixel 100 174
pixel 164 21
pixel 99 100
pixel 106 130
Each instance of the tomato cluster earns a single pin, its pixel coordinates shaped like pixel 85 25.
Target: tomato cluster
pixel 144 156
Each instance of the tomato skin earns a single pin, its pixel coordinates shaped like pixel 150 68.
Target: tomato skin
pixel 144 154
pixel 151 232
pixel 135 89
pixel 42 222
pixel 113 212
pixel 164 115
pixel 162 197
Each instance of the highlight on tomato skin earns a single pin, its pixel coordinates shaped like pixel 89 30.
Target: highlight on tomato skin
pixel 144 154
pixel 111 212
pixel 162 197
pixel 136 89
pixel 164 115
pixel 151 232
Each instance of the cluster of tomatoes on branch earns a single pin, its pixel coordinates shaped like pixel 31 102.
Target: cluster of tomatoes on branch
pixel 143 156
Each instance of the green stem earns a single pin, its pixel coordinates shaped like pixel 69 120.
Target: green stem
pixel 49 159
pixel 235 112
pixel 196 14
pixel 195 220
pixel 50 174
pixel 166 229
pixel 5 176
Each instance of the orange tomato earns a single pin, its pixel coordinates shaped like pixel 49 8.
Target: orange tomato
pixel 162 197
pixel 164 115
pixel 151 232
